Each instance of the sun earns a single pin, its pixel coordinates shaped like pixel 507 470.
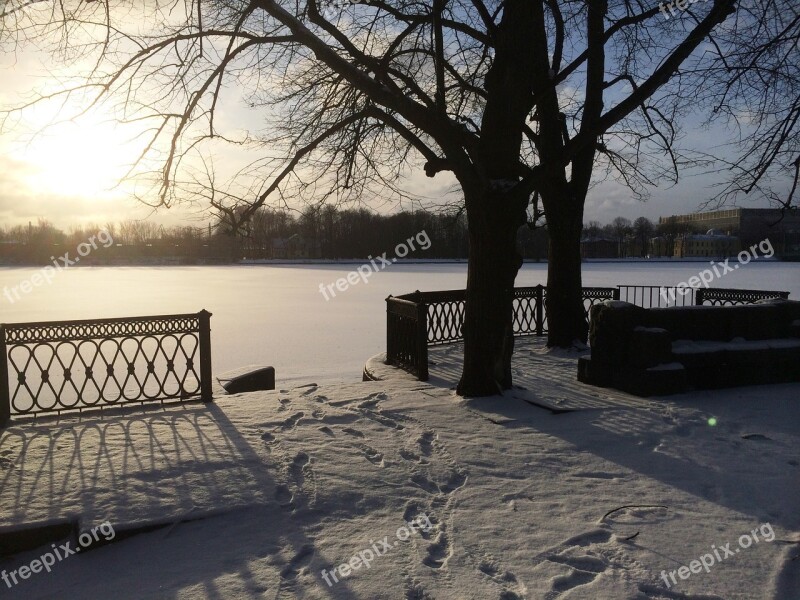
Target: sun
pixel 78 159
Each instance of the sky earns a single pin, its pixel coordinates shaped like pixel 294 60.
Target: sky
pixel 69 174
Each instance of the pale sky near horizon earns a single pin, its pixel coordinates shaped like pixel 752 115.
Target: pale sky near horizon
pixel 67 174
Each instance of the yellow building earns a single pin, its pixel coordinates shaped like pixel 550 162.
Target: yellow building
pixel 713 244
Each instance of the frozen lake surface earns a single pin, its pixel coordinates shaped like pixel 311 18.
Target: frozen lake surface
pixel 276 315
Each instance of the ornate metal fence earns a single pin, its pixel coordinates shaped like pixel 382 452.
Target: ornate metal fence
pixel 51 367
pixel 653 296
pixel 407 335
pixel 415 321
pixel 730 297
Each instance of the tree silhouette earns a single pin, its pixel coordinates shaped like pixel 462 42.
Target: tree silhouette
pixel 643 230
pixel 516 99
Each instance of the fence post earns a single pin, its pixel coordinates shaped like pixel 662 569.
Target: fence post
pixel 615 294
pixel 5 399
pixel 206 394
pixel 390 352
pixel 422 340
pixel 698 297
pixel 539 310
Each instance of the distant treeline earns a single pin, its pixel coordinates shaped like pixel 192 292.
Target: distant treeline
pixel 340 234
pixel 327 233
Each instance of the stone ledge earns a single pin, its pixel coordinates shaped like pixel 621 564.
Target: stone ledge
pixel 21 538
pixel 251 378
pixel 376 369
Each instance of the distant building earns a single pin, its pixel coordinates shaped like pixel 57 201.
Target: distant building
pixel 713 244
pixel 599 247
pixel 750 225
pixel 660 246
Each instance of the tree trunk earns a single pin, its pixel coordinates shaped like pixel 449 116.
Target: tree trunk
pixel 496 208
pixel 566 318
pixel 488 320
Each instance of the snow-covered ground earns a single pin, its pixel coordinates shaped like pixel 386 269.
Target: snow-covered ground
pixel 276 315
pixel 592 503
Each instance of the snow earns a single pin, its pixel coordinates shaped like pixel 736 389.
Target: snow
pixel 275 314
pixel 617 303
pixel 593 501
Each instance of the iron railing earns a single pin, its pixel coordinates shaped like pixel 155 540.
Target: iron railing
pixel 731 297
pixel 407 335
pixel 655 296
pixel 56 366
pixel 415 321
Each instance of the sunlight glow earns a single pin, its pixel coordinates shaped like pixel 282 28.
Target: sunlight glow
pixel 84 160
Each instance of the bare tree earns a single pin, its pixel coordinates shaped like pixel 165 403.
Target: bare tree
pixel 753 84
pixel 643 230
pixel 138 233
pixel 592 229
pixel 518 99
pixel 620 228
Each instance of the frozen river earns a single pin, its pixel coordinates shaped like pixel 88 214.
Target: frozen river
pixel 276 315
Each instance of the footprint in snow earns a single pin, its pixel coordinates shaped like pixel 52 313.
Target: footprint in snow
pixel 425 483
pixel 584 567
pixel 298 562
pixel 372 455
pixel 425 442
pixel 597 475
pixel 353 432
pixel 438 552
pixel 756 437
pixel 283 495
pixel 455 481
pixel 298 467
pixel 291 422
pixel 412 456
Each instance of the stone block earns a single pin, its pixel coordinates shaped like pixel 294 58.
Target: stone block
pixel 650 346
pixel 248 379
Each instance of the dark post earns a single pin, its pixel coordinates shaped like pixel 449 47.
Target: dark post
pixel 204 317
pixel 698 297
pixel 422 340
pixel 615 293
pixel 5 399
pixel 539 310
pixel 390 352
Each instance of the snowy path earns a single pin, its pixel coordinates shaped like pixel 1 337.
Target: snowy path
pixel 522 502
pixel 542 376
